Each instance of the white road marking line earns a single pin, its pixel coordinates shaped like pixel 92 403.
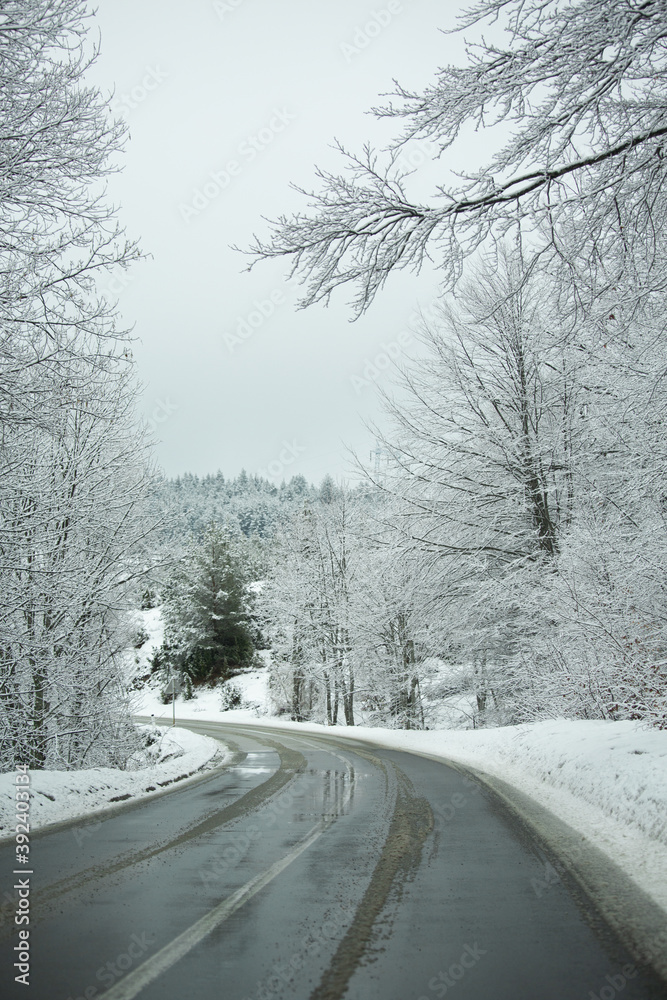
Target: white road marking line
pixel 132 984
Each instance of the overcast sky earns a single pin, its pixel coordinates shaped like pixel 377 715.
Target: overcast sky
pixel 227 104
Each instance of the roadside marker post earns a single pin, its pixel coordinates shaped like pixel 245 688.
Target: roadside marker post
pixel 175 688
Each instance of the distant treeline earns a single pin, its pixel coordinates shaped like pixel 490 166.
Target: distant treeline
pixel 256 505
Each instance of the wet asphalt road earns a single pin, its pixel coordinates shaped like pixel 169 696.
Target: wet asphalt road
pixel 312 868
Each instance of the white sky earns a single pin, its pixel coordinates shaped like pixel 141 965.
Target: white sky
pixel 204 82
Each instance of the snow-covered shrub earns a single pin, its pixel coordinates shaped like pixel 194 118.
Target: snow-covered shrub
pixel 230 697
pixel 140 638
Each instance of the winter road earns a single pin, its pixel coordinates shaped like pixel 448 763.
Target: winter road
pixel 314 867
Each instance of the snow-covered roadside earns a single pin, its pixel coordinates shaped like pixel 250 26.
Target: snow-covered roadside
pixel 63 795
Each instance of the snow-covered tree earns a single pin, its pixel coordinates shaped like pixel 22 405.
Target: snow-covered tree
pixel 74 475
pixel 58 141
pixel 343 613
pixel 327 491
pixel 74 497
pixel 306 605
pixel 390 620
pixel 528 467
pixel 207 609
pixel 289 610
pixel 573 97
pixel 190 503
pixel 605 636
pixel 487 435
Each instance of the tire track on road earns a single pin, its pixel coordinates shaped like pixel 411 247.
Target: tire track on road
pixel 292 763
pixel 411 823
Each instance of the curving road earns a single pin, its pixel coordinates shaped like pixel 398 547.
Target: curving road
pixel 315 868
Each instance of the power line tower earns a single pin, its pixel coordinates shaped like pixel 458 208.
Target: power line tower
pixel 379 456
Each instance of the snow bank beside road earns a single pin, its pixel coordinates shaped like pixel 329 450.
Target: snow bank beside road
pixel 61 795
pixel 618 767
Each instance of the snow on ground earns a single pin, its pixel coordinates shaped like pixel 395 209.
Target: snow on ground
pixel 175 755
pixel 252 684
pixel 208 701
